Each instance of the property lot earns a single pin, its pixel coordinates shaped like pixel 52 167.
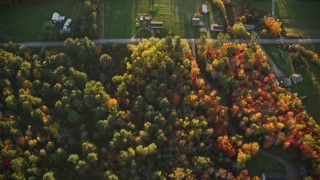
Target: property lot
pixel 301 15
pixel 120 16
pixel 305 89
pixel 24 22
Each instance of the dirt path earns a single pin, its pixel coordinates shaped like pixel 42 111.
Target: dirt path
pixel 101 15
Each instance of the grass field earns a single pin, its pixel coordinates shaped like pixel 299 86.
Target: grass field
pixel 301 15
pixel 262 163
pixel 264 5
pixel 176 15
pixel 24 23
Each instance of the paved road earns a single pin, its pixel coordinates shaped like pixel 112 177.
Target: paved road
pixel 273 8
pixel 134 41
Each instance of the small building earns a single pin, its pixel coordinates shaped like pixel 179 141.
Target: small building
pixel 286 82
pixel 145 18
pixel 55 17
pixel 204 8
pixel 272 176
pixel 296 78
pixel 249 27
pixel 195 21
pixel 303 171
pixel 156 25
pixel 216 28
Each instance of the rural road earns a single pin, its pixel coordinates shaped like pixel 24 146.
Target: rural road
pixel 135 41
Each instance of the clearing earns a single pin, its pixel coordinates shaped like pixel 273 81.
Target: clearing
pixel 24 22
pixel 120 16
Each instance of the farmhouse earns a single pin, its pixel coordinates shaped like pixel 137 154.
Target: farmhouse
pixel 296 78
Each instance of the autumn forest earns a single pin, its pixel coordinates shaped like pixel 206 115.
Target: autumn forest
pixel 156 111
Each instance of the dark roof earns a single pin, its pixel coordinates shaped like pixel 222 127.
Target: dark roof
pixel 303 170
pixel 286 82
pixel 272 176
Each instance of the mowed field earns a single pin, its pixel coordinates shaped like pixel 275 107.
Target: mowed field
pixel 301 15
pixel 120 16
pixel 24 22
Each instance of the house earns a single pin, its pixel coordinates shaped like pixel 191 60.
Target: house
pixel 216 28
pixel 286 82
pixel 145 19
pixel 156 25
pixel 204 8
pixel 272 176
pixel 296 78
pixel 195 21
pixel 55 17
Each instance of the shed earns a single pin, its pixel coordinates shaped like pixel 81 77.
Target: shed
pixel 296 78
pixel 272 176
pixel 195 21
pixel 216 28
pixel 204 8
pixel 286 82
pixel 156 25
pixel 55 17
pixel 249 27
pixel 145 17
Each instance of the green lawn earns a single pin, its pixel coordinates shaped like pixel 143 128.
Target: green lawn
pixel 280 58
pixel 265 5
pixel 300 15
pixel 306 89
pixel 176 15
pixel 262 163
pixel 24 23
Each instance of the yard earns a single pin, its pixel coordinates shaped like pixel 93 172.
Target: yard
pixel 262 163
pixel 300 16
pixel 305 90
pixel 24 22
pixel 120 16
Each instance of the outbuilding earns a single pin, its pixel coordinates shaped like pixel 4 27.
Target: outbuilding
pixel 204 8
pixel 195 21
